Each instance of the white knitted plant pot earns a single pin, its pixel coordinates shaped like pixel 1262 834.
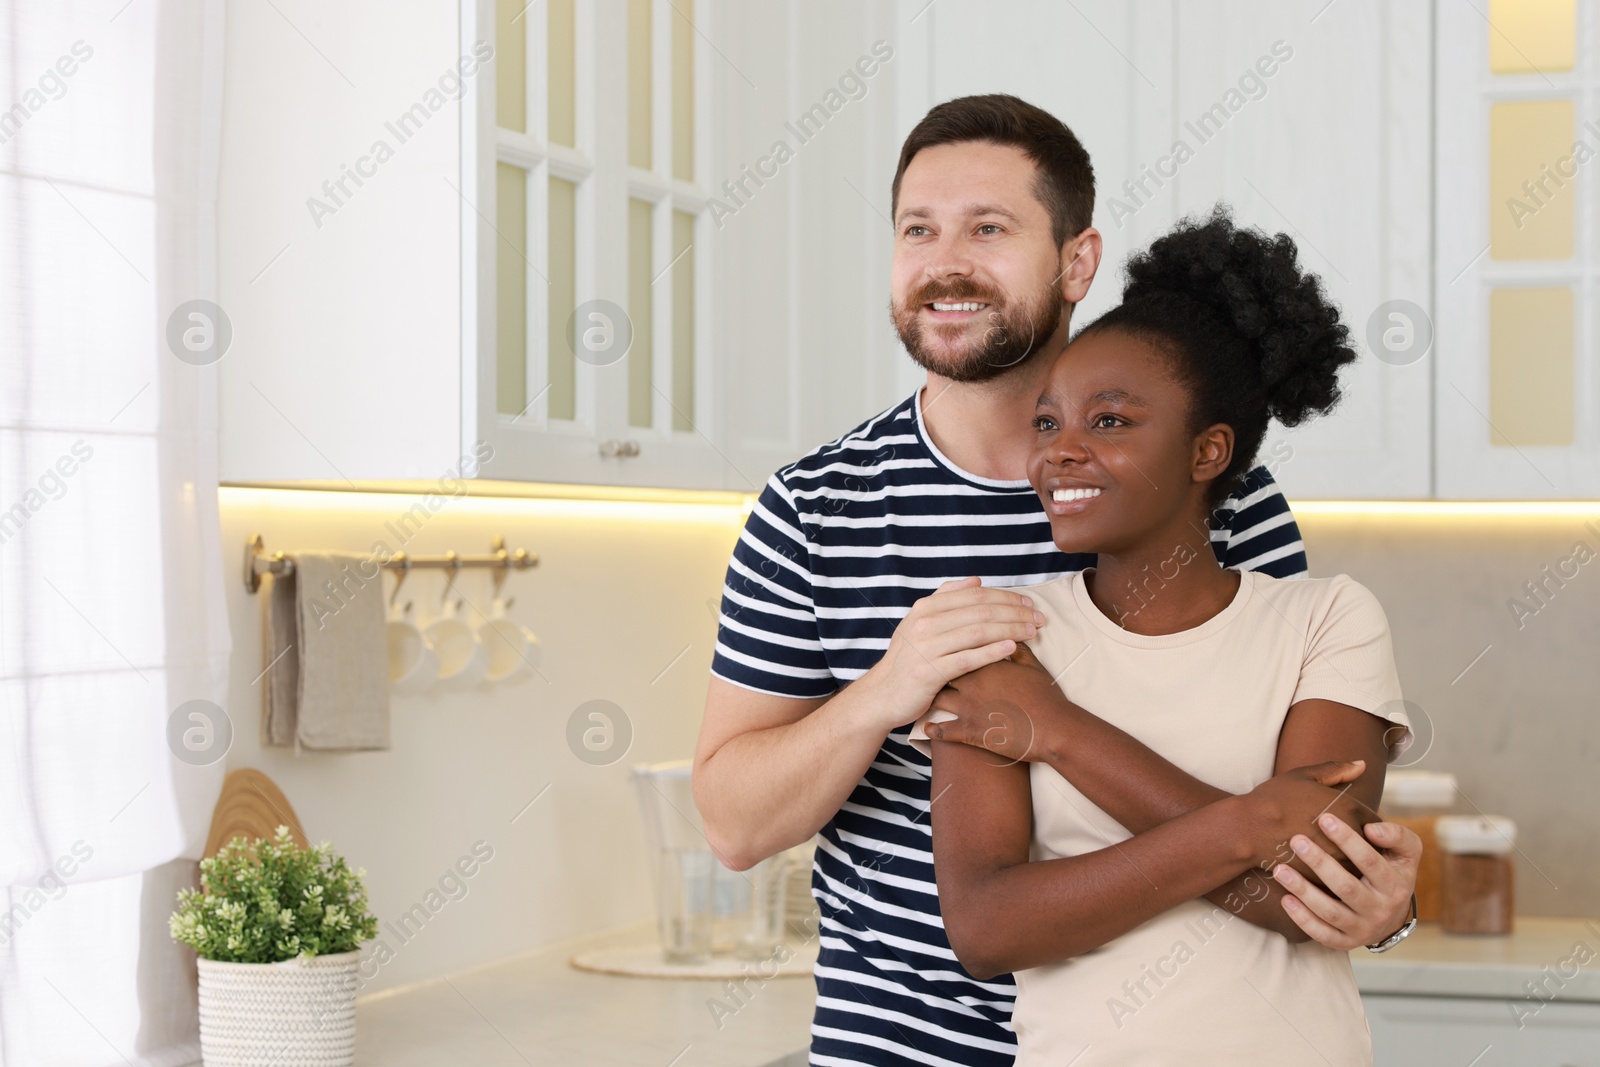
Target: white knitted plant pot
pixel 286 1014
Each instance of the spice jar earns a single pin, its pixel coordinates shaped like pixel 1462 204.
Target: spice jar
pixel 1477 892
pixel 1416 800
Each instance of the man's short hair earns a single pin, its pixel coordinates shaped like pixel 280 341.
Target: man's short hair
pixel 1065 182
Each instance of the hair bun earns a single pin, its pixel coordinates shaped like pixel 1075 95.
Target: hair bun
pixel 1252 284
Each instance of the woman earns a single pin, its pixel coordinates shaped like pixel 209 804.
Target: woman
pixel 1133 946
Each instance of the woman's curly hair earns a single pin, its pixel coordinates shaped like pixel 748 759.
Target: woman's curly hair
pixel 1251 335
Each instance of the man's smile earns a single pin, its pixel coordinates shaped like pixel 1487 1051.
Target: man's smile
pixel 954 310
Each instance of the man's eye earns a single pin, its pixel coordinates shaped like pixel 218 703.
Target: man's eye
pixel 916 231
pixel 988 227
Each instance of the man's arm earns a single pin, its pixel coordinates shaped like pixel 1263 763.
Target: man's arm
pixel 771 771
pixel 1004 913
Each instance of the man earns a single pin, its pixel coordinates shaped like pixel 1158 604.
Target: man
pixel 872 572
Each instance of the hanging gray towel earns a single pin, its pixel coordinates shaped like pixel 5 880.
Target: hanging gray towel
pixel 326 640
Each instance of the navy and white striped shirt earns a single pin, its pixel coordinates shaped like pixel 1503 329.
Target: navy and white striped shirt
pixel 839 546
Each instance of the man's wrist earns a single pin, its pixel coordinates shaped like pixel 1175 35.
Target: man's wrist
pixel 886 710
pixel 1409 924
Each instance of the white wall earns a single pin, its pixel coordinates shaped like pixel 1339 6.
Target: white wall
pixel 621 591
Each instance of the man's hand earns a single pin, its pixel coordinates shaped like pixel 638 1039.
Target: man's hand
pixel 958 628
pixel 1361 911
pixel 1010 707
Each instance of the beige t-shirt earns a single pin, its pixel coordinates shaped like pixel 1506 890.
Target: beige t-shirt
pixel 1198 984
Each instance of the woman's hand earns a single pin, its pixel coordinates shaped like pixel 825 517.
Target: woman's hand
pixel 1294 804
pixel 1360 911
pixel 1010 707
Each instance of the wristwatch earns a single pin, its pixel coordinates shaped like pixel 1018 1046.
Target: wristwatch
pixel 1399 935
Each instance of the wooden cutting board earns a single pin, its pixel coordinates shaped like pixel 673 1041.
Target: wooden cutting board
pixel 251 805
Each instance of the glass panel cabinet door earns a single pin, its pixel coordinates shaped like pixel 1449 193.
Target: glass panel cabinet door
pixel 599 124
pixel 1518 275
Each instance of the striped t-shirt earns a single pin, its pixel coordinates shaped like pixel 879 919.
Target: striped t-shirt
pixel 838 547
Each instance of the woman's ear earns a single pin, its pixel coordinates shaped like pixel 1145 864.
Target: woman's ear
pixel 1213 451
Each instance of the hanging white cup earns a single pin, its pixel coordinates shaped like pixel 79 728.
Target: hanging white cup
pixel 463 660
pixel 413 664
pixel 512 647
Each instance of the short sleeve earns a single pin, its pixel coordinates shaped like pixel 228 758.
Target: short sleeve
pixel 1349 656
pixel 1257 530
pixel 919 737
pixel 767 637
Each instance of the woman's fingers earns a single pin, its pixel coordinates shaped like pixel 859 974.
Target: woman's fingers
pixel 1336 772
pixel 1024 655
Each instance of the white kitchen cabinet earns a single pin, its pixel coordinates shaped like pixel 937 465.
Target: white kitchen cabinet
pixel 1518 271
pixel 1314 124
pixel 359 253
pixel 1412 1031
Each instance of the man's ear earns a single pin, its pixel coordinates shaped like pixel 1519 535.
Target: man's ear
pixel 1213 451
pixel 1080 258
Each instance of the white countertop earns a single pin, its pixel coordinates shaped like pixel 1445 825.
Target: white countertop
pixel 539 1010
pixel 1433 963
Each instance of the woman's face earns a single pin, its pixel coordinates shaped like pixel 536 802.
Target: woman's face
pixel 1114 458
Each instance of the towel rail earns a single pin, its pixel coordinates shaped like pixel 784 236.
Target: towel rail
pixel 257 562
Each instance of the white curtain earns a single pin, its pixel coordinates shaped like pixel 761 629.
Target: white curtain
pixel 111 607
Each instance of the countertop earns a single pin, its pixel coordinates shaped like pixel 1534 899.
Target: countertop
pixel 1549 952
pixel 538 1010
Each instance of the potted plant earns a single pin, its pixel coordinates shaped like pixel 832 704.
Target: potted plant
pixel 278 930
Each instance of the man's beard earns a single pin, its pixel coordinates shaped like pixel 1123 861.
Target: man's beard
pixel 1014 331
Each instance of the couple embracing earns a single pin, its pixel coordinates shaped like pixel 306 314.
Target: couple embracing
pixel 1093 764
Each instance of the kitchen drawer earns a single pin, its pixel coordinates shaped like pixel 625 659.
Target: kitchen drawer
pixel 1457 1031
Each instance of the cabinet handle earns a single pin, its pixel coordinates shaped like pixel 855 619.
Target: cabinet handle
pixel 614 449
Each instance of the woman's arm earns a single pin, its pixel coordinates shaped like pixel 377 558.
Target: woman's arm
pixel 1142 790
pixel 1003 913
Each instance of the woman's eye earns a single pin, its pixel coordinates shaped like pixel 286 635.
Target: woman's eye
pixel 1043 423
pixel 1106 422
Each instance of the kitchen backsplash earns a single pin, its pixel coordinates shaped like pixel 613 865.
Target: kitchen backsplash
pixel 624 603
pixel 1496 623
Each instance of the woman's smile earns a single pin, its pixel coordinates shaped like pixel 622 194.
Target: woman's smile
pixel 1065 497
